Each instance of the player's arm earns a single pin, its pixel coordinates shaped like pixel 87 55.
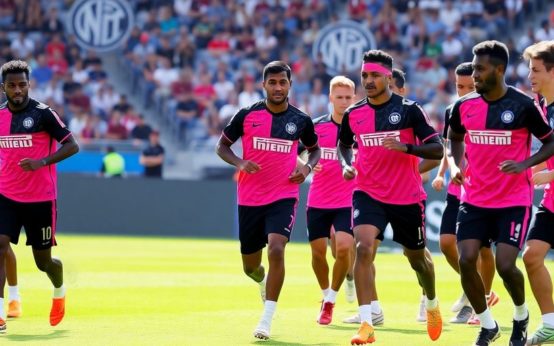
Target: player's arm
pixel 426 165
pixel 537 125
pixel 344 149
pixel 232 132
pixel 438 182
pixel 456 134
pixel 150 161
pixel 542 178
pixel 309 140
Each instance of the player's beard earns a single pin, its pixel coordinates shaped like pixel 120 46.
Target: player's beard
pixel 277 103
pixel 376 92
pixel 487 85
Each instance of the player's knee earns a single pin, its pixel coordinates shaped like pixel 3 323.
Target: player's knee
pixel 276 252
pixel 364 253
pixel 249 270
pixel 42 265
pixel 343 249
pixel 467 263
pixel 505 269
pixel 532 258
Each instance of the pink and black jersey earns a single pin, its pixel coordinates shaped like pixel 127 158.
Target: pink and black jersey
pixel 495 132
pixel 548 198
pixel 453 189
pixel 386 175
pixel 30 133
pixel 329 190
pixel 270 140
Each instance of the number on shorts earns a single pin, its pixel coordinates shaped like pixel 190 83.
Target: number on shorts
pixel 46 233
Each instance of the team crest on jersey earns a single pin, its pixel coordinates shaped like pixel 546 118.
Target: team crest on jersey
pixel 28 122
pixel 507 117
pixel 290 128
pixel 394 118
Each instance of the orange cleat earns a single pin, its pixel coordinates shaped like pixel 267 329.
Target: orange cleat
pixel 365 335
pixel 434 323
pixel 2 326
pixel 58 311
pixel 14 309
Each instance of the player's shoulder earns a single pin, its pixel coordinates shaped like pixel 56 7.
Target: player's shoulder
pixel 295 111
pixel 361 103
pixel 256 106
pixel 4 105
pixel 469 97
pixel 323 119
pixel 40 107
pixel 515 94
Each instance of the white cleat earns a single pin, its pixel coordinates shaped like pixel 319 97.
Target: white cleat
pixel 262 331
pixel 422 313
pixel 350 291
pixel 377 319
pixel 460 303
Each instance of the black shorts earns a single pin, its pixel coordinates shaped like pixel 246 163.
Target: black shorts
pixel 256 222
pixel 38 219
pixel 500 225
pixel 321 220
pixel 543 227
pixel 449 215
pixel 407 221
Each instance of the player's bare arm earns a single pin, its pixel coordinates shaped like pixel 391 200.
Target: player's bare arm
pixel 544 153
pixel 345 154
pixel 432 150
pixel 69 147
pixel 438 182
pixel 302 172
pixel 223 150
pixel 456 141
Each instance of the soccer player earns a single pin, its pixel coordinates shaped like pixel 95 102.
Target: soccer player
pixel 14 304
pixel 494 127
pixel 541 239
pixel 268 181
pixel 464 85
pixel 388 184
pixel 330 201
pixel 29 131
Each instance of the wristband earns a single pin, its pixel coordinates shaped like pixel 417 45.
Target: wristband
pixel 310 167
pixel 409 148
pixel 43 161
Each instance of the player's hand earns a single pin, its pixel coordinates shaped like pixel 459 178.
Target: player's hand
pixel 542 178
pixel 30 164
pixel 249 167
pixel 318 168
pixel 511 167
pixel 349 172
pixel 457 176
pixel 392 144
pixel 299 175
pixel 438 183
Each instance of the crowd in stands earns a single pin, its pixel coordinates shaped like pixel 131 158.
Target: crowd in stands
pixel 199 61
pixel 64 76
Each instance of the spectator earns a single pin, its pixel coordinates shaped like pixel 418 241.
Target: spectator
pixel 249 95
pixel 116 130
pixel 142 130
pixel 113 164
pixel 152 157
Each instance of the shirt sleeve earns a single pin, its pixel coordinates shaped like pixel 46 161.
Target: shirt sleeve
pixel 235 128
pixel 346 136
pixel 308 136
pixel 536 121
pixel 422 125
pixel 447 113
pixel 455 122
pixel 54 125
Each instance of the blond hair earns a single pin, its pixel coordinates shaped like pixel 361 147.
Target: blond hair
pixel 543 50
pixel 341 81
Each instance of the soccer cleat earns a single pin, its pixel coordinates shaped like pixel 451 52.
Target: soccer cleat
pixel 326 313
pixel 14 309
pixel 543 335
pixel 434 323
pixel 350 291
pixel 487 336
pixel 474 320
pixel 460 303
pixel 2 326
pixel 422 313
pixel 365 335
pixel 463 315
pixel 262 331
pixel 57 311
pixel 519 332
pixel 492 299
pixel 377 319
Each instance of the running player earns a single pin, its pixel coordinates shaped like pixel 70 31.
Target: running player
pixel 330 201
pixel 541 239
pixel 29 131
pixel 386 127
pixel 268 182
pixel 464 85
pixel 495 126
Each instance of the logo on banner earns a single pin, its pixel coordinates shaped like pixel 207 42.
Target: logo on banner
pixel 341 45
pixel 101 25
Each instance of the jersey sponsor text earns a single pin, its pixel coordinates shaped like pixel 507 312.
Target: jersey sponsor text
pixel 490 137
pixel 273 144
pixel 376 139
pixel 16 141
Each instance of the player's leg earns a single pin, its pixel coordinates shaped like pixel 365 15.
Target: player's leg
pixel 279 222
pixel 474 225
pixel 319 225
pixel 513 223
pixel 14 306
pixel 252 240
pixel 539 242
pixel 487 270
pixel 4 246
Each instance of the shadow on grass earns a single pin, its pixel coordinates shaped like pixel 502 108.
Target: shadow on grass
pixel 57 334
pixel 274 342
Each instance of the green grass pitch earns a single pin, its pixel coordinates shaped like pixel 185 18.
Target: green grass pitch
pixel 175 291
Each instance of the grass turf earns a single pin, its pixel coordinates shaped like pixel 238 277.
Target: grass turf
pixel 168 291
